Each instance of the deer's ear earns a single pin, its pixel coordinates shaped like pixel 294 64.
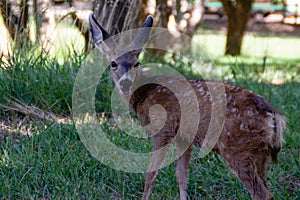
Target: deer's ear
pixel 143 34
pixel 148 22
pixel 99 35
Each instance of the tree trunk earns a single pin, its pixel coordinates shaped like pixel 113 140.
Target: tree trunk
pixel 120 15
pixel 79 23
pixel 6 12
pixel 237 17
pixel 143 12
pixel 196 15
pixel 36 21
pixel 16 20
pixel 47 25
pixel 181 19
pixel 22 37
pixel 5 47
pixel 117 15
pixel 165 12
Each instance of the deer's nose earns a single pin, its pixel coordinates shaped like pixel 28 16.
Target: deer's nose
pixel 126 83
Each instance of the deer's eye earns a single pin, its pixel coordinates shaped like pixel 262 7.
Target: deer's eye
pixel 137 64
pixel 114 65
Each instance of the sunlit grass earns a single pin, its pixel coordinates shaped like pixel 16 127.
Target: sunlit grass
pixel 4 38
pixel 68 39
pixel 254 46
pixel 273 60
pixel 62 41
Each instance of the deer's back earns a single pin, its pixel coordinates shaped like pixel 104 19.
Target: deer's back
pixel 249 118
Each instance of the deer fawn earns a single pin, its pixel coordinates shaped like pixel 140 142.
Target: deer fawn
pixel 250 137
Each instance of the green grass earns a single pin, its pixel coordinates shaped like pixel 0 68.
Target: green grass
pixel 49 161
pixel 39 80
pixel 53 163
pixel 254 46
pixel 67 39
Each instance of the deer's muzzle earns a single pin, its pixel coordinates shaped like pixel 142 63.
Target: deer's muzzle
pixel 125 86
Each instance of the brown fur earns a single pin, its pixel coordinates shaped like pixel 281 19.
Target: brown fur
pixel 248 141
pixel 250 137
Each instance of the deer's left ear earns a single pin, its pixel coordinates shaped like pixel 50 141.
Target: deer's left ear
pixel 143 35
pixel 100 35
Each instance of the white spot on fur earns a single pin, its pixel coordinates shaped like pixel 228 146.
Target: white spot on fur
pixel 233 110
pixel 244 127
pixel 269 114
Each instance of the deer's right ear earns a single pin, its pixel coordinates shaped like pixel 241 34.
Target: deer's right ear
pixel 99 34
pixel 143 35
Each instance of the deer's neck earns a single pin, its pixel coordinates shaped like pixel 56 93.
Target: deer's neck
pixel 140 95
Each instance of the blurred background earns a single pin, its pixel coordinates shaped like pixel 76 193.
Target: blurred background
pixel 270 27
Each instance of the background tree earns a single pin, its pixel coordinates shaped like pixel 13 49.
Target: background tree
pixel 117 15
pixel 16 18
pixel 176 15
pixel 238 12
pixel 188 15
pixel 182 16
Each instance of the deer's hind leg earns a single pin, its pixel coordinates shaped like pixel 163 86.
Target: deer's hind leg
pixel 182 172
pixel 246 170
pixel 260 164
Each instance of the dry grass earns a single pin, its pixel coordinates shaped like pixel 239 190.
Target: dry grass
pixel 24 119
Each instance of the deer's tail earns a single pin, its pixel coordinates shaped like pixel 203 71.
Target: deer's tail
pixel 277 137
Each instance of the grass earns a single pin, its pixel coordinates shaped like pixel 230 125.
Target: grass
pixel 254 46
pixel 45 159
pixel 39 80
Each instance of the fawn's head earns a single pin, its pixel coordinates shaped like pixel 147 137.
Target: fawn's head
pixel 123 60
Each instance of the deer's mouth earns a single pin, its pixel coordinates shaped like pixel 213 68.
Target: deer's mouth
pixel 125 86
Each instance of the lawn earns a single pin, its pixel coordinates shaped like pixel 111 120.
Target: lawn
pixel 42 156
pixel 275 47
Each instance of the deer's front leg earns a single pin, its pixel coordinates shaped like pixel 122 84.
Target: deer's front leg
pixel 182 172
pixel 160 148
pixel 150 179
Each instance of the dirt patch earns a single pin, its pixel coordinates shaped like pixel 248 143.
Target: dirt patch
pixel 15 128
pixel 24 120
